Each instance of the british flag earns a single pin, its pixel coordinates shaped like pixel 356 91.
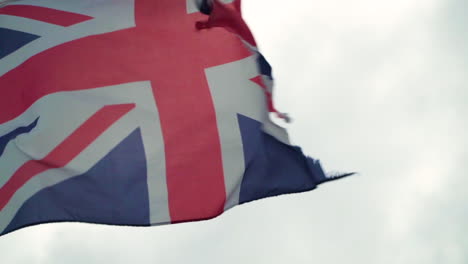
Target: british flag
pixel 136 112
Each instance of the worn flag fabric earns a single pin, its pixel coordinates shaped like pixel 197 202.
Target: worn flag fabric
pixel 136 112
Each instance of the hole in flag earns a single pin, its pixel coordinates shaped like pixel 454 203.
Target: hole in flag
pixel 205 6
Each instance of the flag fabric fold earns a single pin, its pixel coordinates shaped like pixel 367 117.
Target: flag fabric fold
pixel 137 112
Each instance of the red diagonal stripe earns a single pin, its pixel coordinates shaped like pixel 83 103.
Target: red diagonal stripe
pixel 48 15
pixel 73 145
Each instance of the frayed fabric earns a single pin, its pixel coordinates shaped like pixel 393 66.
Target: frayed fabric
pixel 229 17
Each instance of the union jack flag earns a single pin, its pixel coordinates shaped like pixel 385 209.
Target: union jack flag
pixel 136 112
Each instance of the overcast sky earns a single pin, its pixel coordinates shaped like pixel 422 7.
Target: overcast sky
pixel 379 87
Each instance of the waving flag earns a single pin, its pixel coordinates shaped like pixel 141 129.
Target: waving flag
pixel 136 112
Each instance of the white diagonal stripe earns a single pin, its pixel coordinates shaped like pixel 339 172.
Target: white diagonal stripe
pixel 27 25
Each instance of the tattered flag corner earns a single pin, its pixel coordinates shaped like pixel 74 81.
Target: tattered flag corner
pixel 142 113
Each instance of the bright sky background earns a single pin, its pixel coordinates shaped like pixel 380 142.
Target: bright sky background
pixel 379 87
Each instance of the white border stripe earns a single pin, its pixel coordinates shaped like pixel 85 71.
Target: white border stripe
pixel 151 133
pixel 234 93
